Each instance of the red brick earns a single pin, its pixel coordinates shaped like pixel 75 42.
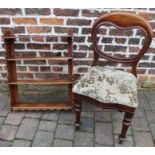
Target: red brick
pixel 120 40
pixel 51 21
pixel 90 40
pixel 79 22
pixel 92 13
pixel 76 77
pixel 133 41
pixel 147 64
pixel 38 38
pixel 82 62
pixel 19 29
pixel 24 38
pixel 31 21
pixel 102 31
pixel 4 21
pixel 45 68
pixel 151 50
pixel 65 29
pixel 19 46
pixel 107 40
pixel 145 57
pixel 50 62
pixel 65 39
pixel 116 32
pixel 2 61
pixel 140 33
pixel 85 47
pixel 107 63
pixel 134 49
pixel 38 46
pixel 49 54
pixel 21 68
pixel 51 39
pixel 33 68
pixel 38 11
pixel 10 11
pixel 79 55
pixel 86 30
pixel 66 12
pixel 57 68
pixel 59 46
pixel 26 54
pixel 37 29
pixel 91 55
pixel 115 48
pixel 118 55
pixel 79 39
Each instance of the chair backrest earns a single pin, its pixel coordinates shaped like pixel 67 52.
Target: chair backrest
pixel 122 21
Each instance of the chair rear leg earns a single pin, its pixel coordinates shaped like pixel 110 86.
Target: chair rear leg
pixel 126 123
pixel 77 108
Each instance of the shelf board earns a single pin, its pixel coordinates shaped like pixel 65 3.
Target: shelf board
pixel 36 82
pixel 40 58
pixel 42 106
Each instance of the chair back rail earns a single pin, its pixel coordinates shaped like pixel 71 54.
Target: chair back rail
pixel 122 21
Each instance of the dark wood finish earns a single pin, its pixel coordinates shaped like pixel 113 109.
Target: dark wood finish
pixel 9 39
pixel 122 21
pixel 126 123
pixel 11 66
pixel 77 108
pixel 70 66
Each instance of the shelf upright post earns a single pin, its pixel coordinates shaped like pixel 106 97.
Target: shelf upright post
pixel 9 39
pixel 70 65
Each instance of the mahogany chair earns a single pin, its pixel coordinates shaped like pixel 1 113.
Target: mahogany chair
pixel 107 87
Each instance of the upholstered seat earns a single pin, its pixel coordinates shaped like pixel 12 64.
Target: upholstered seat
pixel 108 85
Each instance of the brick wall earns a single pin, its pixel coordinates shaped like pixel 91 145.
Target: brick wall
pixel 34 27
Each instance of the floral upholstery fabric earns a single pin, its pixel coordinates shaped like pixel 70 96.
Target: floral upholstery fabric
pixel 108 85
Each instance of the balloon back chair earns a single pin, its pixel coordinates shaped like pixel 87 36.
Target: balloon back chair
pixel 107 87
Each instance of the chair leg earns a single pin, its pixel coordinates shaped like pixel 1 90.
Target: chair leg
pixel 126 123
pixel 77 108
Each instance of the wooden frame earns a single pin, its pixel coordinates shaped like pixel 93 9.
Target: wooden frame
pixel 122 21
pixel 13 83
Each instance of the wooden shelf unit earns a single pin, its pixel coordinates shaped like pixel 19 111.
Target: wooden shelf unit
pixel 13 83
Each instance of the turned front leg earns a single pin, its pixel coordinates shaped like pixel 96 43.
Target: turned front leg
pixel 126 123
pixel 77 108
